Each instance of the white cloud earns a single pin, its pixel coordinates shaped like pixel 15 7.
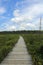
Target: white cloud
pixel 36 10
pixel 24 26
pixel 33 11
pixel 33 1
pixel 8 27
pixel 31 25
pixel 26 17
pixel 2 10
pixel 17 19
pixel 37 23
pixel 17 16
pixel 16 12
pixel 11 28
pixel 29 14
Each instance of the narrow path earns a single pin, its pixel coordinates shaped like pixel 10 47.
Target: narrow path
pixel 18 56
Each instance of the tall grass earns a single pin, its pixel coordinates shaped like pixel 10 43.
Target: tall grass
pixel 7 41
pixel 34 43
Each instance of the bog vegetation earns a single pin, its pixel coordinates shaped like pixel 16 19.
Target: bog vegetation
pixel 34 43
pixel 7 41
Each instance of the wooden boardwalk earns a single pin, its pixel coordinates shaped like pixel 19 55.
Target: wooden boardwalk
pixel 18 55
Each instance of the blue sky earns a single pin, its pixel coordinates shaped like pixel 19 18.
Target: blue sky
pixel 20 14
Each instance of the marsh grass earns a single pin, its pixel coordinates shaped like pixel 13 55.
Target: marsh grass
pixel 34 43
pixel 7 42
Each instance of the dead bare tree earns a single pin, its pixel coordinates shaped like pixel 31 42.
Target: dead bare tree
pixel 40 29
pixel 40 24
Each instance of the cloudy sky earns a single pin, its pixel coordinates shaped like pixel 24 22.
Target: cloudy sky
pixel 20 14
